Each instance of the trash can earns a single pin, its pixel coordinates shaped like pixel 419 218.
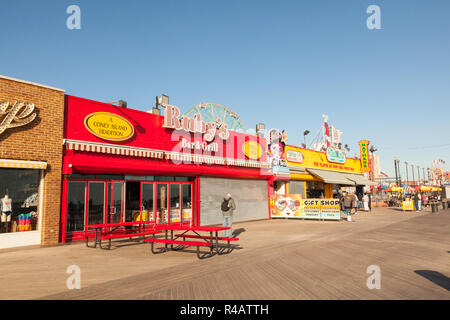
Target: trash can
pixel 444 205
pixel 433 207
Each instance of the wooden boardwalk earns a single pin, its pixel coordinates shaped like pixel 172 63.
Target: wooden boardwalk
pixel 304 260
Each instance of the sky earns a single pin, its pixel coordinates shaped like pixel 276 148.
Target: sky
pixel 281 63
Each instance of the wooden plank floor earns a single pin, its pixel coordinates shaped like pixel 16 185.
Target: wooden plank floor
pixel 329 262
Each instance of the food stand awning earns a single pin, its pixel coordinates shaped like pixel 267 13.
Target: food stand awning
pixel 394 189
pixel 332 177
pixel 359 179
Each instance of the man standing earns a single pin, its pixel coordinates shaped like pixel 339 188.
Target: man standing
pixel 415 199
pixel 355 203
pixel 419 201
pixel 366 202
pixel 227 207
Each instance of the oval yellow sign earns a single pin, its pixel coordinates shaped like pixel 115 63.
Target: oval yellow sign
pixel 252 150
pixel 109 126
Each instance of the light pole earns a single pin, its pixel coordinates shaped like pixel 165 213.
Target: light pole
pixel 423 175
pixel 305 133
pixel 407 180
pixel 395 168
pixel 418 175
pixel 412 169
pixel 372 149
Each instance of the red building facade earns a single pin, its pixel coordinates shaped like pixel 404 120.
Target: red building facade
pixel 121 165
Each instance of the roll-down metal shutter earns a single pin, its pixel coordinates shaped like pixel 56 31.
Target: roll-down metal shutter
pixel 250 197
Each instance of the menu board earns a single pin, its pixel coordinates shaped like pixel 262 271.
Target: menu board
pixel 293 206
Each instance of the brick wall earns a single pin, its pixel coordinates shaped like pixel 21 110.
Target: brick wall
pixel 41 140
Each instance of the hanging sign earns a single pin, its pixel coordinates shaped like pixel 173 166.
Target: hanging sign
pixel 20 114
pixel 364 147
pixel 109 126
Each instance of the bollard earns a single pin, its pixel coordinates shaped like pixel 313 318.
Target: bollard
pixel 433 207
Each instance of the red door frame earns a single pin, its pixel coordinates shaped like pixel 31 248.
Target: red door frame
pixel 122 214
pixel 77 235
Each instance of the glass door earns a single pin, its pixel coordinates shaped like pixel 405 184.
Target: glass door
pixel 76 198
pixel 175 203
pixel 115 201
pixel 147 212
pixel 161 202
pixel 187 203
pixel 96 203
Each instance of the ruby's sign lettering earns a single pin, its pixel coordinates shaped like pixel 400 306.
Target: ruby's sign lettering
pixel 209 130
pixel 20 114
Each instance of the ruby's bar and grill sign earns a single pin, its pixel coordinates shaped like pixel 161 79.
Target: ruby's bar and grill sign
pixel 364 148
pixel 179 138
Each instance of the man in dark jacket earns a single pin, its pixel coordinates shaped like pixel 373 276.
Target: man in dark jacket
pixel 227 207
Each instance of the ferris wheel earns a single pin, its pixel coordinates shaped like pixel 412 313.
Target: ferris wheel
pixel 213 111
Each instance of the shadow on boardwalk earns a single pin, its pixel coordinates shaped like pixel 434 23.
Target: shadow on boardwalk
pixel 435 277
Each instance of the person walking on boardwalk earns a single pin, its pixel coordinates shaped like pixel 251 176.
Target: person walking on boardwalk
pixel 366 200
pixel 227 207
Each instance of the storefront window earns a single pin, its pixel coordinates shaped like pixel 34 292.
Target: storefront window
pixel 75 206
pixel 297 187
pixel 161 202
pixel 315 189
pixel 164 178
pixel 175 210
pixel 147 202
pixel 187 202
pixel 18 199
pixel 96 202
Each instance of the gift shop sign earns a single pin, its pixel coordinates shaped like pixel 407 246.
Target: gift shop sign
pixel 293 206
pixel 209 130
pixel 109 126
pixel 20 114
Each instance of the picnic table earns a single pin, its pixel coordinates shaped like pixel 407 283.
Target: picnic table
pixel 105 231
pixel 191 232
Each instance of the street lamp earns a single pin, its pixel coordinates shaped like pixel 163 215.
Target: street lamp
pixel 412 169
pixel 407 179
pixel 305 133
pixel 397 173
pixel 163 101
pixel 418 175
pixel 260 128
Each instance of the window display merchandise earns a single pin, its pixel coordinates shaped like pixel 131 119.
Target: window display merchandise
pixel 18 205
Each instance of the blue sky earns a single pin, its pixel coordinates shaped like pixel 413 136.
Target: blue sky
pixel 283 63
